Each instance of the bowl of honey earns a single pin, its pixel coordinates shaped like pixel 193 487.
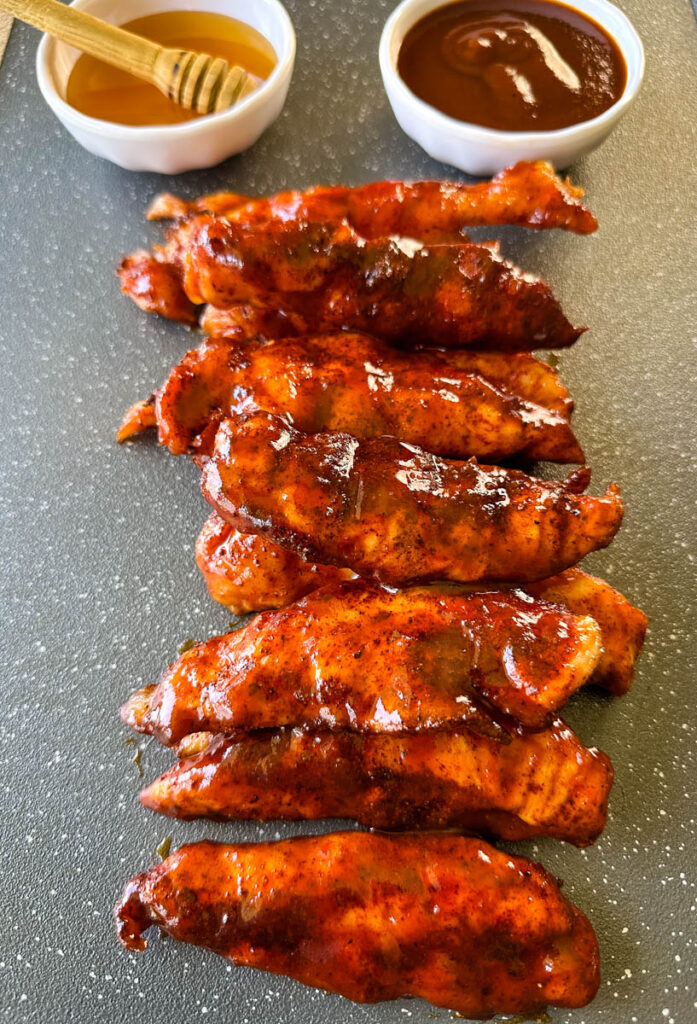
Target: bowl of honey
pixel 481 84
pixel 116 116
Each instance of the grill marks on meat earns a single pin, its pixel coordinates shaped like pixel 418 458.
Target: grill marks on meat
pixel 369 659
pixel 391 511
pixel 527 194
pixel 538 784
pixel 376 917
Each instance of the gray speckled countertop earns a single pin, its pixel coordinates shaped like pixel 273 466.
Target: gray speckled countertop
pixel 99 586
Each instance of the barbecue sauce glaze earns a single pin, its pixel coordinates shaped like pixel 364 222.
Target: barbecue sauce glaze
pixel 515 65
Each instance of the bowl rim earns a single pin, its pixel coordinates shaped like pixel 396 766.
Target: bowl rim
pixel 112 129
pixel 635 62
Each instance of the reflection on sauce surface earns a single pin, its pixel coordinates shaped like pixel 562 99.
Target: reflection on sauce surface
pixel 515 65
pixel 102 91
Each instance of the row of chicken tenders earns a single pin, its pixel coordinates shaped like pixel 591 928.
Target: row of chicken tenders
pixel 364 409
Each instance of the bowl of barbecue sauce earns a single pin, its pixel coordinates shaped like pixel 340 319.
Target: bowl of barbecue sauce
pixel 480 84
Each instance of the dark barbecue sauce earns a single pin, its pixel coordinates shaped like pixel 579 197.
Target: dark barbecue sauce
pixel 515 65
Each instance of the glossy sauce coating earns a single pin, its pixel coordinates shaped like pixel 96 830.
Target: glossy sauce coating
pixel 240 322
pixel 155 287
pixel 353 383
pixel 527 194
pixel 248 572
pixel 365 658
pixel 520 373
pixel 453 296
pixel 376 917
pixel 622 625
pixel 393 512
pixel 539 784
pixel 514 65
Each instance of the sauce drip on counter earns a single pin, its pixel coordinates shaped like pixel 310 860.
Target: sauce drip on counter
pixel 99 90
pixel 515 65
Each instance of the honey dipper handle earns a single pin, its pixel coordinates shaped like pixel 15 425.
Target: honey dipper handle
pixel 107 42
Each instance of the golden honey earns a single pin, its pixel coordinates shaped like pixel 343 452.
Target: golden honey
pixel 102 91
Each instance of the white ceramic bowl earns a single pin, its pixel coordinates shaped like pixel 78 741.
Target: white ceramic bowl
pixel 479 150
pixel 171 149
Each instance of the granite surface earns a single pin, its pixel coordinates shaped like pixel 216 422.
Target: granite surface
pixel 99 587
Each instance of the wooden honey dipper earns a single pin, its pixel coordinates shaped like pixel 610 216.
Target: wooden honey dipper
pixel 196 81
